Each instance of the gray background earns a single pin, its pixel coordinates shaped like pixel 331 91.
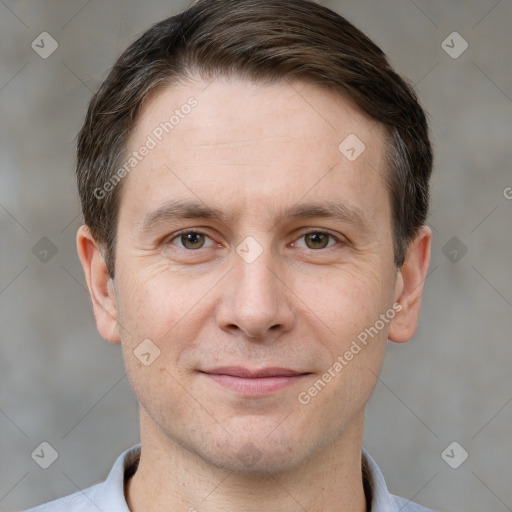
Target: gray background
pixel 61 383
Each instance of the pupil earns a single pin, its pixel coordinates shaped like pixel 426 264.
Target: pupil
pixel 192 239
pixel 317 239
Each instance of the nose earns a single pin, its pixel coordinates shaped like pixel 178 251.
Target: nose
pixel 255 300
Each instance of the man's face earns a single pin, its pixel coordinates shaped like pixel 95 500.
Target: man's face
pixel 251 288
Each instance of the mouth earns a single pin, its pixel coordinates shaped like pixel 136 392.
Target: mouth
pixel 254 382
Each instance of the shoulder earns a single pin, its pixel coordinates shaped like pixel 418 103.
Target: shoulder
pixel 107 496
pixel 81 501
pixel 409 506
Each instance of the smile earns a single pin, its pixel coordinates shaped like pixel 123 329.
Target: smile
pixel 254 383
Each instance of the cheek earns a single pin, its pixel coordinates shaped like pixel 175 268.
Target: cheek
pixel 164 307
pixel 350 300
pixel 151 311
pixel 355 342
pixel 148 298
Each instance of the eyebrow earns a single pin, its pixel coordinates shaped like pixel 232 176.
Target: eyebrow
pixel 188 209
pixel 179 209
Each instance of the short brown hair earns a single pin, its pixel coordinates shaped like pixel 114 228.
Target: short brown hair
pixel 264 41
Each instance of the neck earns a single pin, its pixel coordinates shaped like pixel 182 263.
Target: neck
pixel 171 477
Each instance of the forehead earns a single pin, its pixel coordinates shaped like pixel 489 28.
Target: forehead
pixel 277 141
pixel 227 107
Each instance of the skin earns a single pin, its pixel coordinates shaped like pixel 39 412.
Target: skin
pixel 252 151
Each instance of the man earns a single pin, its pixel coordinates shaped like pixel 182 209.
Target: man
pixel 254 179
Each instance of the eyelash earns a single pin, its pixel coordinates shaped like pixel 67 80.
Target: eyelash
pixel 305 233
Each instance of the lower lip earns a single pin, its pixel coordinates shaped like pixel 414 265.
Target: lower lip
pixel 257 385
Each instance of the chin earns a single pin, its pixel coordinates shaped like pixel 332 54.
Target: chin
pixel 255 454
pixel 249 460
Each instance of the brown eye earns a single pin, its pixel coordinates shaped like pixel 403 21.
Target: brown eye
pixel 317 240
pixel 192 240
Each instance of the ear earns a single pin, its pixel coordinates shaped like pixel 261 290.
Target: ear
pixel 409 288
pixel 101 286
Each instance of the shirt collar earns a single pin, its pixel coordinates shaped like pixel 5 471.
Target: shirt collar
pixel 381 499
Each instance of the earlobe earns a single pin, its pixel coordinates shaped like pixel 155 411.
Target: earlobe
pixel 409 287
pixel 100 285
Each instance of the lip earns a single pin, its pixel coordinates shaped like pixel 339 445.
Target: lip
pixel 254 382
pixel 240 371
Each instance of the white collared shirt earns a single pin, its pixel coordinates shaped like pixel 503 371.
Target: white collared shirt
pixel 108 496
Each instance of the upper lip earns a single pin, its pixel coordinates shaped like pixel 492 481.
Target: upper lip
pixel 240 371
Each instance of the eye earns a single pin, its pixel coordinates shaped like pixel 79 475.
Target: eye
pixel 317 239
pixel 191 240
